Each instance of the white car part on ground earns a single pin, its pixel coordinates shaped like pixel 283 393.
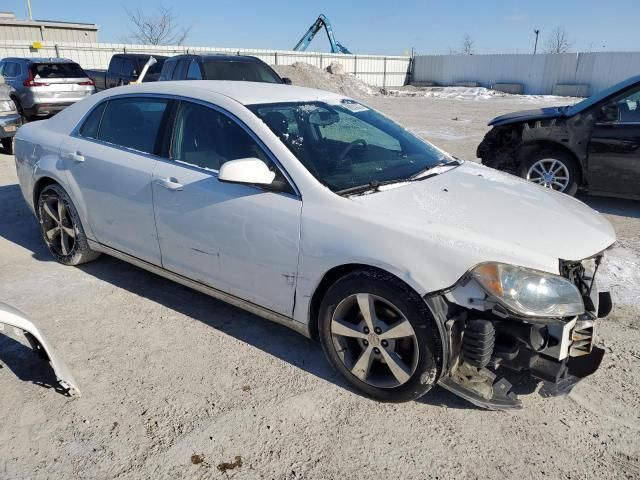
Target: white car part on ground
pixel 13 317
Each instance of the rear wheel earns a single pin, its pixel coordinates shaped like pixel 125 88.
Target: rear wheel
pixel 380 335
pixel 551 169
pixel 61 228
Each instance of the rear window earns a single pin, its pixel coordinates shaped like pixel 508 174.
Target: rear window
pixel 57 70
pixel 242 71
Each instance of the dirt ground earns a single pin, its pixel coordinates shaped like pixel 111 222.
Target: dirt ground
pixel 178 385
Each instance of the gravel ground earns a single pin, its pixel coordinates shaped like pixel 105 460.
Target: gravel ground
pixel 178 385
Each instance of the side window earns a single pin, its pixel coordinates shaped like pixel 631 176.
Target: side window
pixel 115 66
pixel 10 69
pixel 128 66
pixel 167 69
pixel 2 64
pixel 194 71
pixel 133 122
pixel 207 138
pixel 181 70
pixel 90 126
pixel 629 107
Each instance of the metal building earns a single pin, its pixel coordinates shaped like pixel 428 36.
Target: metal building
pixel 46 30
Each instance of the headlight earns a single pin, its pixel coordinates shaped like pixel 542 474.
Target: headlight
pixel 529 292
pixel 7 106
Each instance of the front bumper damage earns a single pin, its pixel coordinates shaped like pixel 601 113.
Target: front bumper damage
pixel 13 318
pixel 486 340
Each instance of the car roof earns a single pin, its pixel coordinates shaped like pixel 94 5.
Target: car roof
pixel 139 55
pixel 40 59
pixel 219 57
pixel 246 93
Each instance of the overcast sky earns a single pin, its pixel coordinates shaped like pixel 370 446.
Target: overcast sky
pixel 372 26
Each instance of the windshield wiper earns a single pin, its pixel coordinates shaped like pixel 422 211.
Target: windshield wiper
pixel 371 186
pixel 375 185
pixel 453 162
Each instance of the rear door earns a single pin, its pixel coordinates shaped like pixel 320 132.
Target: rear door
pixel 240 239
pixel 113 74
pixel 614 147
pixel 109 163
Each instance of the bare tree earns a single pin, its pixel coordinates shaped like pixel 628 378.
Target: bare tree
pixel 467 45
pixel 558 41
pixel 160 28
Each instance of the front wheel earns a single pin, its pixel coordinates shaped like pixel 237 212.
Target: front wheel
pixel 61 229
pixel 380 335
pixel 551 169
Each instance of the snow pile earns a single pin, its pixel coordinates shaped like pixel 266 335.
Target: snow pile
pixel 306 75
pixel 620 274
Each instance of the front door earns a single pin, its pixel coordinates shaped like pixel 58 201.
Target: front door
pixel 614 147
pixel 240 239
pixel 110 165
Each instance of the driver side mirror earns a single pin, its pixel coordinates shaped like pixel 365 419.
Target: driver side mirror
pixel 286 80
pixel 248 171
pixel 609 113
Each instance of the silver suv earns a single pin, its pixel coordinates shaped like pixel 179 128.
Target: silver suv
pixel 44 86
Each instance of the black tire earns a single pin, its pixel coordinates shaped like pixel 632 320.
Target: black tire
pixel 566 159
pixel 7 145
pixel 428 365
pixel 75 250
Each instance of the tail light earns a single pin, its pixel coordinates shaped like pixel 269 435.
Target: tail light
pixel 88 82
pixel 30 82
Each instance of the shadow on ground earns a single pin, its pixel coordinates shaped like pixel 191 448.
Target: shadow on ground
pixel 27 365
pixel 19 227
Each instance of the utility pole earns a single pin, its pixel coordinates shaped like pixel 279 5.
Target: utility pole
pixel 29 8
pixel 535 46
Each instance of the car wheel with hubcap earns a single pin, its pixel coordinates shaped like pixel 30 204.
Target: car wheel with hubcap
pixel 551 169
pixel 61 228
pixel 381 336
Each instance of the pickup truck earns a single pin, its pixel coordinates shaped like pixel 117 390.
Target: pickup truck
pixel 124 68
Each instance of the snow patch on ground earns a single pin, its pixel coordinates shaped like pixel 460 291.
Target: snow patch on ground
pixel 620 274
pixel 471 93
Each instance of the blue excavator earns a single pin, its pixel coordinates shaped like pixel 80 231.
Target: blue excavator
pixel 320 23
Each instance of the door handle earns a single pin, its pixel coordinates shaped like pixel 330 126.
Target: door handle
pixel 75 156
pixel 170 183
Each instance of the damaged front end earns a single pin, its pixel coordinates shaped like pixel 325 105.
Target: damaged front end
pixel 13 318
pixel 487 331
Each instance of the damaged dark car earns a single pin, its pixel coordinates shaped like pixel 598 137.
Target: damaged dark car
pixel 592 146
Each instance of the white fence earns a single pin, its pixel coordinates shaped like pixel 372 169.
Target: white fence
pixel 381 71
pixel 538 73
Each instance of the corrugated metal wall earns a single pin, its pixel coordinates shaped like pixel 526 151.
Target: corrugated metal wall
pixel 381 71
pixel 30 33
pixel 539 73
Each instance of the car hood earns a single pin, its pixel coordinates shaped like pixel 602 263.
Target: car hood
pixel 474 214
pixel 527 115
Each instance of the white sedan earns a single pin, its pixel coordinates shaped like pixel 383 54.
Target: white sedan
pixel 315 211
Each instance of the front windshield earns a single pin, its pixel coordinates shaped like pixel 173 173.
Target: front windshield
pixel 348 145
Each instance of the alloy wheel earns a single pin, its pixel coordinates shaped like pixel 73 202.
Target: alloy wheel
pixel 549 173
pixel 374 340
pixel 59 231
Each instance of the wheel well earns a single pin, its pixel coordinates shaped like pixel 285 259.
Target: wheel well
pixel 527 148
pixel 331 277
pixel 37 190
